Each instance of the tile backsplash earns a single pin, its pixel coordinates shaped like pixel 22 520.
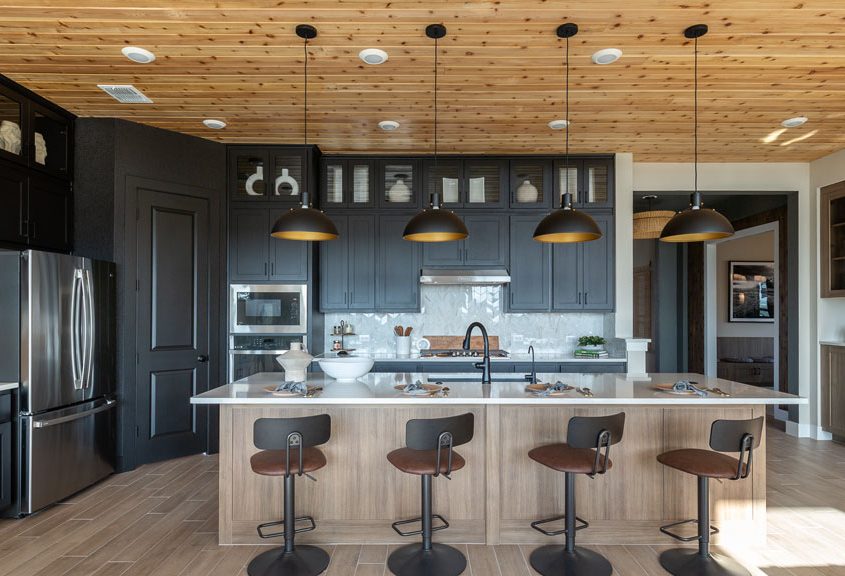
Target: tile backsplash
pixel 448 310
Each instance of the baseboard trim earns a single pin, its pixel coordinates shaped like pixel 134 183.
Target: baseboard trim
pixel 807 431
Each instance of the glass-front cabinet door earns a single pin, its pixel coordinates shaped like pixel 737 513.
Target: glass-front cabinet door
pixel 346 183
pixel 399 183
pixel 12 130
pixel 248 169
pixel 484 183
pixel 596 183
pixel 288 175
pixel 50 141
pixel 530 183
pixel 444 178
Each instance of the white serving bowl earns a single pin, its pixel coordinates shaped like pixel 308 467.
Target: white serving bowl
pixel 347 368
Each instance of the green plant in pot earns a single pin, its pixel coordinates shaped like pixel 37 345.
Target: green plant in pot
pixel 591 343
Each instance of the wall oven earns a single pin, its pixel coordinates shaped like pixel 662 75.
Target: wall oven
pixel 268 309
pixel 250 355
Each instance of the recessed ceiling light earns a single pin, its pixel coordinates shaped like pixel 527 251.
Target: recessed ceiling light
pixel 373 56
pixel 388 125
pixel 793 122
pixel 138 55
pixel 215 124
pixel 606 56
pixel 558 124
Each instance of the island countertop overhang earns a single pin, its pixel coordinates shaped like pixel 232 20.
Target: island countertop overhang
pixel 607 389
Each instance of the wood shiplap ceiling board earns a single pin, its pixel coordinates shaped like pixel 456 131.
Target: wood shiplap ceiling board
pixel 501 73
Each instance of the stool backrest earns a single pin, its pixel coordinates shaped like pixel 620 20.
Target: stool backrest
pixel 274 433
pixel 425 434
pixel 741 436
pixel 584 431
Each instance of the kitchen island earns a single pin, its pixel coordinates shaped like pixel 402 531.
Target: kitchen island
pixel 500 491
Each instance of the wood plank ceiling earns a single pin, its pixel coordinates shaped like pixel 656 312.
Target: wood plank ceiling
pixel 501 72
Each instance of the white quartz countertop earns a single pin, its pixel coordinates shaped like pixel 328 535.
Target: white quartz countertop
pixel 8 386
pixel 559 357
pixel 613 389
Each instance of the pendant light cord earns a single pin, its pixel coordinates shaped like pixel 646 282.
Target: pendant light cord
pixel 695 72
pixel 305 107
pixel 567 122
pixel 435 111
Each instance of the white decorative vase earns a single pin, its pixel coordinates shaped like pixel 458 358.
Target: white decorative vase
pixel 40 149
pixel 10 137
pixel 286 178
pixel 527 192
pixel 295 362
pixel 250 182
pixel 399 192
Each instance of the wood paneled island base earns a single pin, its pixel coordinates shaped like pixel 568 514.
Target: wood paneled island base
pixel 501 491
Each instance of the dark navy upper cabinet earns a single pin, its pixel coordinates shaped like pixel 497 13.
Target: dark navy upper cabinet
pixel 276 174
pixel 486 246
pixel 398 266
pixel 530 269
pixel 398 183
pixel 348 265
pixel 583 273
pixel 256 256
pixel 531 183
pixel 347 183
pixel 591 181
pixel 471 183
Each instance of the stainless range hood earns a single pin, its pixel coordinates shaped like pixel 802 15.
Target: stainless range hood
pixel 465 277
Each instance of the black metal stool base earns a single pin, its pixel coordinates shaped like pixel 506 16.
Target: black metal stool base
pixel 556 561
pixel 690 562
pixel 412 560
pixel 303 561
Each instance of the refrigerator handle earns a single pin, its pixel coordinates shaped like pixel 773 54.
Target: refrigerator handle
pixel 75 353
pixel 88 301
pixel 62 419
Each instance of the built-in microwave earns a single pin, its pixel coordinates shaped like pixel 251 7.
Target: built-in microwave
pixel 268 309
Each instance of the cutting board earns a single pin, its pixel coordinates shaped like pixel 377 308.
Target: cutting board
pixel 455 342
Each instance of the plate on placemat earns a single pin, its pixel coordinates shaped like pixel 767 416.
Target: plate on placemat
pixel 429 390
pixel 668 389
pixel 272 390
pixel 537 388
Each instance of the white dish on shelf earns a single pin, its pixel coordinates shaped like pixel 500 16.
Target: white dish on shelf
pixel 347 368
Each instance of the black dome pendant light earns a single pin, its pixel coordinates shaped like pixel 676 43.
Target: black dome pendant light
pixel 567 225
pixel 437 224
pixel 696 224
pixel 305 222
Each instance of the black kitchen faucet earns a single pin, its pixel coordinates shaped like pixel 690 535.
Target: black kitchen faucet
pixel 484 365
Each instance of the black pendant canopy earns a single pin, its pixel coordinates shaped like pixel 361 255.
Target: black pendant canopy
pixel 566 225
pixel 305 222
pixel 696 224
pixel 436 224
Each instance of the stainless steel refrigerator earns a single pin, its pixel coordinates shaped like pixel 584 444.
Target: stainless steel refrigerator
pixel 65 355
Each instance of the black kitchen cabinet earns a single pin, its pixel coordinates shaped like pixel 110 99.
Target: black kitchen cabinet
pixel 531 183
pixel 591 181
pixel 398 266
pixel 348 265
pixel 477 182
pixel 277 174
pixel 256 256
pixel 6 457
pixel 35 210
pixel 486 246
pixel 398 183
pixel 347 183
pixel 583 273
pixel 530 267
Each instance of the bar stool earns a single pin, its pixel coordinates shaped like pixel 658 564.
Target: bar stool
pixel 429 454
pixel 741 436
pixel 287 449
pixel 585 438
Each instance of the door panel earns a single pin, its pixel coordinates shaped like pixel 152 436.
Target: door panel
pixel 334 269
pixel 172 323
pixel 566 277
pixel 487 244
pixel 398 282
pixel 12 205
pixel 529 288
pixel 249 243
pixel 288 258
pixel 599 267
pixel 362 258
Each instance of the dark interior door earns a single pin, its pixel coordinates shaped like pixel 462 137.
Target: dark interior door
pixel 172 324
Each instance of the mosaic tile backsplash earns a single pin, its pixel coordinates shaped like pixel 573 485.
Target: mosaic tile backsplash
pixel 448 310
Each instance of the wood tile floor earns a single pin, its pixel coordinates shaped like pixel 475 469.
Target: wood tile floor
pixel 162 518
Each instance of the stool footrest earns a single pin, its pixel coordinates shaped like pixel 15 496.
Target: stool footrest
pixel 280 522
pixel 417 532
pixel 665 530
pixel 536 525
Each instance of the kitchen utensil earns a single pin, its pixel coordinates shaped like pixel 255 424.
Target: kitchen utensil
pixel 408 331
pixel 313 391
pixel 585 391
pixel 718 391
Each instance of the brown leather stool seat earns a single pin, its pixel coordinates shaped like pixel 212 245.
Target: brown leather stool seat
pixel 565 458
pixel 422 462
pixel 272 462
pixel 703 463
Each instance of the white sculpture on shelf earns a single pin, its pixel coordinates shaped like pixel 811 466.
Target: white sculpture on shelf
pixel 10 137
pixel 286 178
pixel 527 192
pixel 40 149
pixel 250 182
pixel 399 192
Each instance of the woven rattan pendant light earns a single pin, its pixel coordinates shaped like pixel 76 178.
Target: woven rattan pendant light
pixel 649 224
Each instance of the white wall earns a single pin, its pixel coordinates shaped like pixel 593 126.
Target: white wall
pixel 757 248
pixel 624 245
pixel 754 177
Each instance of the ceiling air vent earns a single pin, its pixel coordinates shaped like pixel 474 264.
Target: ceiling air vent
pixel 125 93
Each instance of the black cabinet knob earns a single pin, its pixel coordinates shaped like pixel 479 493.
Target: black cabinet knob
pixel 202 358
